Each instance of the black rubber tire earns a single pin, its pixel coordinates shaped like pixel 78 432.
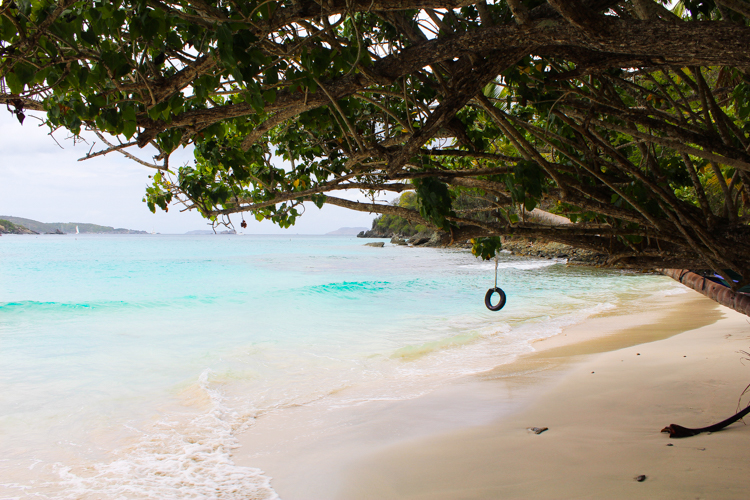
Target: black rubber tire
pixel 488 297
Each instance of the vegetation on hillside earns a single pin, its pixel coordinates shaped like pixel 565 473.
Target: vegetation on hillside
pixel 394 224
pixel 7 227
pixel 463 202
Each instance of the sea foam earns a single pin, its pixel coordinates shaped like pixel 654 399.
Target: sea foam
pixel 173 459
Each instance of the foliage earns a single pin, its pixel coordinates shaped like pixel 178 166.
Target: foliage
pixel 434 202
pixel 627 118
pixel 8 227
pixel 486 247
pixel 466 201
pixel 396 224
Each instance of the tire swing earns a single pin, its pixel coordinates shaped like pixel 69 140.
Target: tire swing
pixel 492 291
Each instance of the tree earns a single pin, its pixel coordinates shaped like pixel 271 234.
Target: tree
pixel 627 117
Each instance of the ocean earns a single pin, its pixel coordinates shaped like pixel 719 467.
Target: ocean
pixel 130 364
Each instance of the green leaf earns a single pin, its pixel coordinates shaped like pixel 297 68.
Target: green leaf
pixel 225 44
pixel 14 84
pixel 271 76
pixel 150 27
pixel 24 72
pixel 269 96
pixel 89 37
pixel 129 125
pixel 319 200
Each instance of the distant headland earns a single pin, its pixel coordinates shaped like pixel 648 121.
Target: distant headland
pixel 19 225
pixel 347 231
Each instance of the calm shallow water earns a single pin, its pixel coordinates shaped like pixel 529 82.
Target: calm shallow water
pixel 129 363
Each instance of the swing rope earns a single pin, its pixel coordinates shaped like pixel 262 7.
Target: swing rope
pixel 495 270
pixel 491 291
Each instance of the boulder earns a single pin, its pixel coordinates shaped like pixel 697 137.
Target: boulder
pixel 378 244
pixel 396 240
pixel 419 239
pixel 436 239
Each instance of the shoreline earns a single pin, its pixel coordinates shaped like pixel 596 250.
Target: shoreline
pixel 310 454
pixel 610 396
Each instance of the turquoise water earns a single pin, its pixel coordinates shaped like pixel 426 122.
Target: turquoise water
pixel 130 363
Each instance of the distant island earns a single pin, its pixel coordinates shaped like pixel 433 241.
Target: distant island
pixel 35 227
pixel 210 231
pixel 347 231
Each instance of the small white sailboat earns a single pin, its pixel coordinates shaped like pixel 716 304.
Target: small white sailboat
pixel 77 232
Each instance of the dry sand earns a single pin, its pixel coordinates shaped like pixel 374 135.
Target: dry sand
pixel 604 418
pixel 604 388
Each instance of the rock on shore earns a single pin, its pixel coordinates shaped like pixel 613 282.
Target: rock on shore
pixel 517 246
pixel 427 238
pixel 376 232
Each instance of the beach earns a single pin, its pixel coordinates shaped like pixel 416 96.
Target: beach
pixel 604 388
pixel 267 367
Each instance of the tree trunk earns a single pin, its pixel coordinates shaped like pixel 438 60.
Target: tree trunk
pixel 738 301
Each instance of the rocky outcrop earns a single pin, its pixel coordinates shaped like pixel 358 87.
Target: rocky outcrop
pixel 517 246
pixel 377 244
pixel 552 250
pixel 419 239
pixel 376 232
pixel 438 239
pixel 428 238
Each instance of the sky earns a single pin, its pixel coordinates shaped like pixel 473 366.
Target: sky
pixel 43 181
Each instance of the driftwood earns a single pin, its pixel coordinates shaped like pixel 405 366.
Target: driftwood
pixel 678 431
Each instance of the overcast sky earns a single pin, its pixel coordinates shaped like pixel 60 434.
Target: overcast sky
pixel 40 180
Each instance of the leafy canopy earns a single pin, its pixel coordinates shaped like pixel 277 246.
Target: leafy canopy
pixel 627 118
